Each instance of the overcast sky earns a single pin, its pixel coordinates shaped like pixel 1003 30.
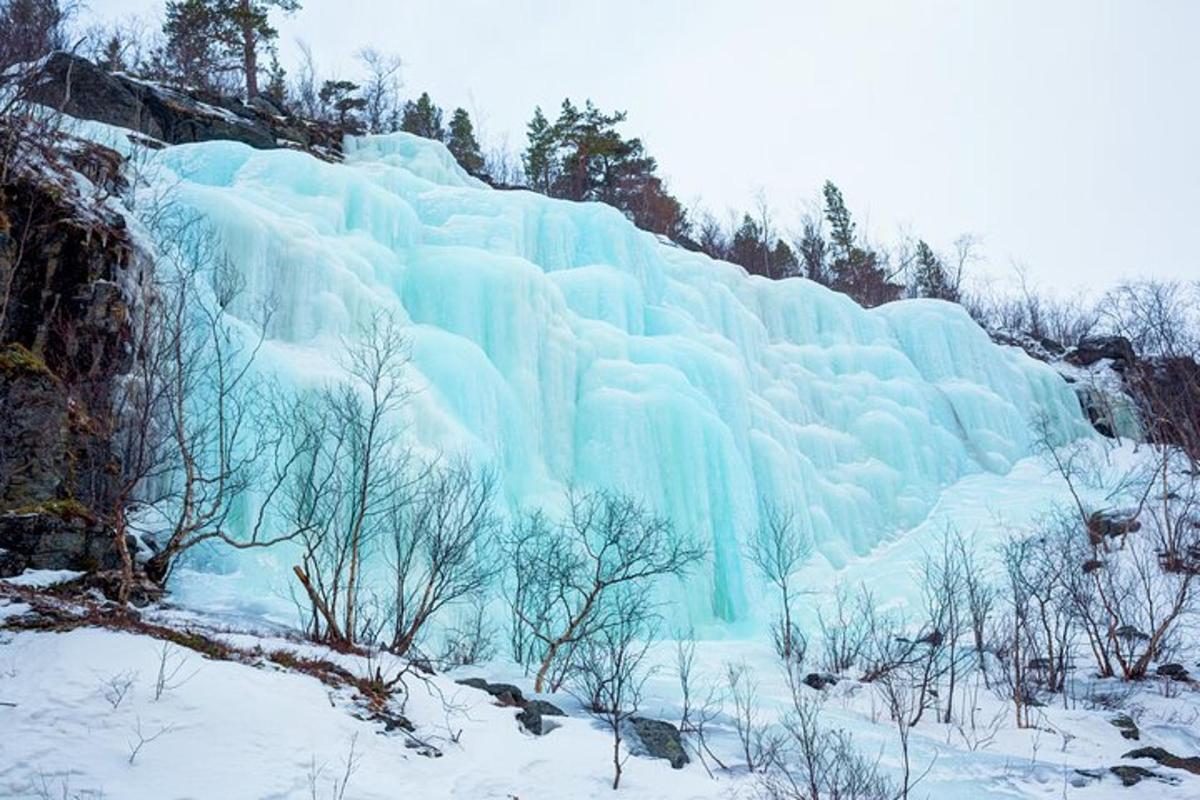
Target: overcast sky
pixel 1063 133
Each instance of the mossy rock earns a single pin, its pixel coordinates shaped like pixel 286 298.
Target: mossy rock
pixel 16 359
pixel 66 509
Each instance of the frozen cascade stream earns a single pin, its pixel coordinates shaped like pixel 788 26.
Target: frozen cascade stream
pixel 559 343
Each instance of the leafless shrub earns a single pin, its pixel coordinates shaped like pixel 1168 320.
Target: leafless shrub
pixel 340 783
pixel 844 630
pixel 697 713
pixel 778 552
pixel 562 575
pixel 757 741
pixel 140 738
pixel 816 763
pixel 171 661
pixel 116 687
pixel 472 637
pixel 608 671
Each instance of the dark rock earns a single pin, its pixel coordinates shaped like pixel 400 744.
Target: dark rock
pixel 505 693
pixel 56 539
pixel 1132 776
pixel 661 740
pixel 1131 634
pixel 1129 729
pixel 532 717
pixel 1093 349
pixel 820 680
pixel 1176 672
pixel 392 721
pixel 78 87
pixel 1167 759
pixel 1111 524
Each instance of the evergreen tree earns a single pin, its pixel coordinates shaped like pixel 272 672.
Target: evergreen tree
pixel 192 53
pixel 841 226
pixel 112 54
pixel 854 269
pixel 583 156
pixel 462 143
pixel 932 278
pixel 539 157
pixel 813 251
pixel 748 248
pixel 423 118
pixel 206 39
pixel 783 261
pixel 339 97
pixel 276 90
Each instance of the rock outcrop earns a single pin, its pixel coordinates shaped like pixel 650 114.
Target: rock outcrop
pixel 170 115
pixel 68 265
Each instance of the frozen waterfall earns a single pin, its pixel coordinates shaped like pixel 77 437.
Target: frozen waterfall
pixel 561 344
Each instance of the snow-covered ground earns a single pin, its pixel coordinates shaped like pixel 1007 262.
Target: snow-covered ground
pixel 81 719
pixel 82 715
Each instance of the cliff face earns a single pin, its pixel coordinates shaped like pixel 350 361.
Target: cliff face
pixel 64 334
pixel 69 281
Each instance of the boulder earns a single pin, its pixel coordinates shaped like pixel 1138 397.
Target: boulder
pixel 532 717
pixel 1176 672
pixel 505 693
pixel 1167 759
pixel 172 115
pixel 820 680
pixel 1096 348
pixel 1109 524
pixel 1125 724
pixel 660 740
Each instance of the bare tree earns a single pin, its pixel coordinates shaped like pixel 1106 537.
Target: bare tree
pixel 755 738
pixel 439 543
pixel 381 90
pixel 563 575
pixel 778 552
pixel 609 670
pixel 817 763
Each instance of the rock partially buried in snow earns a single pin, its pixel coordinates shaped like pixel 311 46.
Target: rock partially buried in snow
pixel 1176 672
pixel 1125 724
pixel 820 680
pixel 533 717
pixel 1167 759
pixel 505 693
pixel 661 740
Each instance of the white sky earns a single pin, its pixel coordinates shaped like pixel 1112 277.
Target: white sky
pixel 1064 133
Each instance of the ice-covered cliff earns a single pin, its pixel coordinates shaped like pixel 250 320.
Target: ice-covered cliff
pixel 561 344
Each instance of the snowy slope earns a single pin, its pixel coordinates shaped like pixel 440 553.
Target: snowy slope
pixel 75 706
pixel 561 344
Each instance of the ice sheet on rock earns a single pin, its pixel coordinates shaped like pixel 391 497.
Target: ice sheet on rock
pixel 561 344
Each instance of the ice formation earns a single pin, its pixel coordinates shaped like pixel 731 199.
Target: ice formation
pixel 561 344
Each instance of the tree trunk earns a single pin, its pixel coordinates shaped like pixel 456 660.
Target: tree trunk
pixel 249 51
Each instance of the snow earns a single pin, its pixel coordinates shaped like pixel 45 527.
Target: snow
pixel 563 346
pixel 74 705
pixel 41 578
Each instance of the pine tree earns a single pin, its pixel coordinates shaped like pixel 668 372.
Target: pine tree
pixel 462 144
pixel 339 97
pixel 423 118
pixel 841 226
pixel 539 156
pixel 207 39
pixel 932 278
pixel 252 31
pixel 748 249
pixel 783 261
pixel 854 269
pixel 192 53
pixel 813 252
